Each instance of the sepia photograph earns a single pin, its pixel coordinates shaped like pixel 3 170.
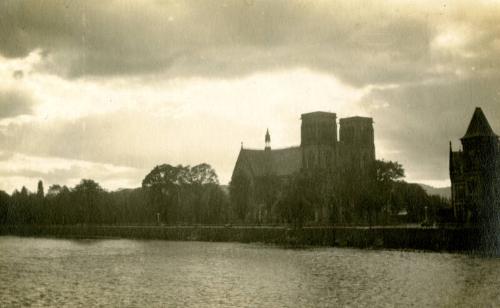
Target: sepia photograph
pixel 249 153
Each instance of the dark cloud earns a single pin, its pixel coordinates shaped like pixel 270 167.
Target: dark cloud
pixel 218 38
pixel 14 103
pixel 431 86
pixel 418 121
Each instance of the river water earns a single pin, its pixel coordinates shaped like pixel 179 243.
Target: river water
pixel 138 273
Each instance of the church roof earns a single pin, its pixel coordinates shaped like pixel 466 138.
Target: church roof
pixel 479 126
pixel 279 162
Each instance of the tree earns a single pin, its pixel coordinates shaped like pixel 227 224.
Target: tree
pixel 387 173
pixel 88 195
pixel 40 192
pixel 240 192
pixel 200 178
pixel 54 190
pixel 294 204
pixel 179 194
pixel 267 191
pixel 163 186
pixel 24 192
pixel 166 174
pixel 38 204
pixel 4 207
pixel 23 207
pixel 182 193
pixel 58 205
pixel 202 174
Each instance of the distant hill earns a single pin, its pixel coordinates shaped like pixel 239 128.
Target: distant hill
pixel 442 191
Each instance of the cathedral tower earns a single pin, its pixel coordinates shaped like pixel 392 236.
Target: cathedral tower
pixel 319 140
pixel 357 144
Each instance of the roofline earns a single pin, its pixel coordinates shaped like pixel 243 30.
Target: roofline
pixel 478 112
pixel 278 149
pixel 356 118
pixel 322 113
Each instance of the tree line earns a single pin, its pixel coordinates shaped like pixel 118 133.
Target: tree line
pixel 187 195
pixel 169 195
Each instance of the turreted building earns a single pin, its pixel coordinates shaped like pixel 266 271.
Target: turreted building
pixel 320 152
pixel 475 173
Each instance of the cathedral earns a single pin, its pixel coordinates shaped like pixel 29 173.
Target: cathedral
pixel 320 152
pixel 475 173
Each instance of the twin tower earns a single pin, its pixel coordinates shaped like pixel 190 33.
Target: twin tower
pixel 353 151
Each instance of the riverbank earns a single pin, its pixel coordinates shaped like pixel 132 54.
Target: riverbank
pixel 391 237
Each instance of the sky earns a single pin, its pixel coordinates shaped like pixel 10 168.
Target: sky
pixel 109 89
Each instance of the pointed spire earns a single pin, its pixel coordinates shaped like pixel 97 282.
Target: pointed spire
pixel 479 126
pixel 242 145
pixel 268 140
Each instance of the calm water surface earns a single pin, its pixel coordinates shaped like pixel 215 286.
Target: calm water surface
pixel 129 273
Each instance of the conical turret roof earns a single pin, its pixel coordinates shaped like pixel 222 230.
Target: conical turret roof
pixel 479 126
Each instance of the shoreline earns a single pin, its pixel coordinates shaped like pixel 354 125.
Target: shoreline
pixel 450 239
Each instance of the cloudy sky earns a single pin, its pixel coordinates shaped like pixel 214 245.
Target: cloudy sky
pixel 109 89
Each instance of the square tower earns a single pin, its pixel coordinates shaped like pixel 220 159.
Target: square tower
pixel 357 144
pixel 319 140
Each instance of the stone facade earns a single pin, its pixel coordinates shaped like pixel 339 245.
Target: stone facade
pixel 475 172
pixel 320 152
